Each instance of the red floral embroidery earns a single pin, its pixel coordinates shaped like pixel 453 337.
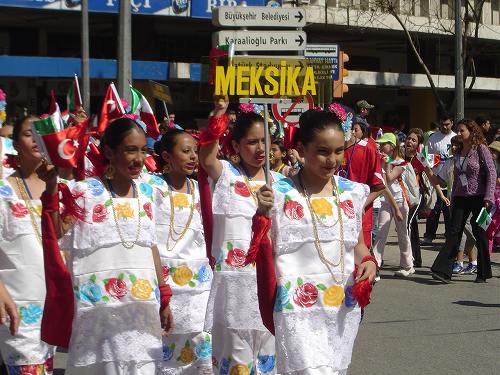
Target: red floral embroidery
pixel 149 211
pixel 49 364
pixel 348 208
pixel 241 188
pixel 166 272
pixel 116 287
pixel 29 369
pixel 19 210
pixel 236 258
pixel 293 210
pixel 305 295
pixel 99 213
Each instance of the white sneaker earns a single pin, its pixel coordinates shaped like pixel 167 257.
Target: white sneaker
pixel 405 272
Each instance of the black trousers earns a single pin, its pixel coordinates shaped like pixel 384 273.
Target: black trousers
pixel 412 226
pixel 432 223
pixel 461 208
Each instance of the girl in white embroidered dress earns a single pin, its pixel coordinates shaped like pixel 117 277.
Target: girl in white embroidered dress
pixel 241 343
pixel 21 265
pixel 181 241
pixel 317 240
pixel 114 263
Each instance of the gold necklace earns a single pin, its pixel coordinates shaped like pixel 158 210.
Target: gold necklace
pixel 172 230
pixel 126 244
pixel 317 242
pixel 247 183
pixel 31 209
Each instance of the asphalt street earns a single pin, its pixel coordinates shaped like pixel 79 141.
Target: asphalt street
pixel 419 326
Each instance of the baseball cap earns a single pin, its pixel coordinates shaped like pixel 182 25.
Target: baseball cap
pixel 387 138
pixel 359 120
pixel 364 104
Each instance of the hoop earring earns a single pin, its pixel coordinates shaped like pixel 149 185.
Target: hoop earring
pixel 271 155
pixel 235 159
pixel 167 168
pixel 109 173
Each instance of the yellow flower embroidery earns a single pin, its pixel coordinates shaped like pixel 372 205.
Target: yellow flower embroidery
pixel 255 187
pixel 334 296
pixel 141 289
pixel 182 275
pixel 239 369
pixel 37 210
pixel 180 201
pixel 124 211
pixel 187 355
pixel 321 207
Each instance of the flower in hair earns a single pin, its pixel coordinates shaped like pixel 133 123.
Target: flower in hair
pixel 345 118
pixel 247 107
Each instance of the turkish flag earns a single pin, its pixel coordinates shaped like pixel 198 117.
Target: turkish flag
pixel 112 108
pixel 67 146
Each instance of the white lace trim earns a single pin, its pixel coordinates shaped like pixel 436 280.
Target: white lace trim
pixel 312 338
pixel 233 302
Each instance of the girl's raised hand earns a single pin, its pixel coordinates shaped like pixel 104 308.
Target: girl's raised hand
pixel 265 200
pixel 48 173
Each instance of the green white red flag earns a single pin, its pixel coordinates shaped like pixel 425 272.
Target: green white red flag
pixel 111 109
pixel 74 97
pixel 140 106
pixel 485 221
pixel 428 160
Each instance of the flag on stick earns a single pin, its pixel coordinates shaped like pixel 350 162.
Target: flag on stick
pixel 60 147
pixel 428 160
pixel 74 97
pixel 140 107
pixel 112 108
pixel 489 221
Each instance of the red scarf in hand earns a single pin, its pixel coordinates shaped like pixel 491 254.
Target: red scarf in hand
pixel 59 306
pixel 261 252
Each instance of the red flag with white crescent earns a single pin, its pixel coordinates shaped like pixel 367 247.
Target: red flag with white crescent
pixel 66 147
pixel 111 109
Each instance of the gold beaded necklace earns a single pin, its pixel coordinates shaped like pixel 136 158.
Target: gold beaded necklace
pixel 172 230
pixel 126 244
pixel 25 196
pixel 317 243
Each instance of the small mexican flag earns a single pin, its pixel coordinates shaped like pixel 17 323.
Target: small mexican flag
pixel 140 107
pixel 59 147
pixel 73 97
pixel 488 221
pixel 428 160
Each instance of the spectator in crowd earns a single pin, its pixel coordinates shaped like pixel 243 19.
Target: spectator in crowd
pixel 362 164
pixel 6 129
pixel 434 127
pixel 473 188
pixel 393 165
pixel 412 146
pixel 485 125
pixel 439 143
pixel 363 108
pixel 278 154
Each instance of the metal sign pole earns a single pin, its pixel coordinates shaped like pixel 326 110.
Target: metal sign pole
pixel 266 102
pixel 267 144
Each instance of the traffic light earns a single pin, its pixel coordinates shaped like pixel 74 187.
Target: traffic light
pixel 339 87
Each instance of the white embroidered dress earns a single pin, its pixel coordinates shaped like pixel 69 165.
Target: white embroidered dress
pixel 316 319
pixel 116 322
pixel 21 270
pixel 233 310
pixel 188 350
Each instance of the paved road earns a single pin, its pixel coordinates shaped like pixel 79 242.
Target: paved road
pixel 418 326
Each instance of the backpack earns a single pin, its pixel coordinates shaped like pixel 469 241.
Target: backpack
pixel 409 179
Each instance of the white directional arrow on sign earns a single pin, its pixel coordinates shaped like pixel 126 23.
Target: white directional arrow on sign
pixel 262 40
pixel 239 16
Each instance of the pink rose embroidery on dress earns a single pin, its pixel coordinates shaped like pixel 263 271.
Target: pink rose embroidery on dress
pixel 305 295
pixel 293 210
pixel 19 210
pixel 99 213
